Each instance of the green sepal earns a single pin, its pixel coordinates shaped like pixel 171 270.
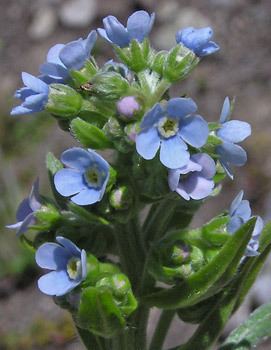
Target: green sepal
pixel 202 284
pixel 158 62
pixel 89 135
pixel 98 312
pixel 84 75
pixel 85 215
pixel 53 166
pixel 63 101
pixel 179 63
pixel 48 216
pixel 109 85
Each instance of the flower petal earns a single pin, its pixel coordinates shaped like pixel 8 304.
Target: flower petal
pixel 181 107
pixel 115 31
pixel 35 102
pixel 194 130
pixel 139 25
pixel 208 49
pixel 225 111
pixel 52 256
pixel 57 71
pixel 234 224
pixel 18 110
pixel 147 143
pixel 56 283
pixel 73 55
pixel 173 178
pixel 232 154
pixel 173 153
pixel 258 228
pixel 28 221
pixel 207 163
pixel 197 187
pixel 69 245
pixel 23 210
pixel 34 197
pixel 34 83
pixel 89 42
pixel 87 196
pixel 69 182
pixel 76 158
pixel 234 131
pixel 243 210
pixel 84 264
pixel 152 117
pixel 53 54
pixel 236 202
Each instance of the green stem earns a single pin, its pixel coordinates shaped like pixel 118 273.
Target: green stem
pixel 91 341
pixel 161 329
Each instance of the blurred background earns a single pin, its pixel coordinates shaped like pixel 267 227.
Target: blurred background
pixel 28 28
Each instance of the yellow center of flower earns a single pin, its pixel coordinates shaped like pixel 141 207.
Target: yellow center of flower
pixel 74 268
pixel 168 127
pixel 93 177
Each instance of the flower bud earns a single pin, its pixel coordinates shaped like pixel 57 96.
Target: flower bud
pixel 120 198
pixel 127 107
pixel 63 101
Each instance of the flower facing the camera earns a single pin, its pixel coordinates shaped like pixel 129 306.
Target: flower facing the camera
pixel 67 262
pixel 85 178
pixel 194 180
pixel 197 40
pixel 171 129
pixel 139 25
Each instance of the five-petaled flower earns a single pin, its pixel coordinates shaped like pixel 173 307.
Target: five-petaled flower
pixel 139 25
pixel 63 57
pixel 197 40
pixel 86 177
pixel 25 214
pixel 34 95
pixel 230 133
pixel 172 128
pixel 67 262
pixel 240 213
pixel 194 180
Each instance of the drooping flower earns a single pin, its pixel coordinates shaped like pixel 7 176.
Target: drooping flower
pixel 128 106
pixel 172 128
pixel 139 25
pixel 34 95
pixel 240 213
pixel 85 178
pixel 25 214
pixel 197 40
pixel 67 262
pixel 194 180
pixel 63 57
pixel 230 133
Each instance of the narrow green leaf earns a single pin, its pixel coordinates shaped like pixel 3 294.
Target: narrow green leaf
pixel 53 164
pixel 252 331
pixel 197 287
pixel 89 135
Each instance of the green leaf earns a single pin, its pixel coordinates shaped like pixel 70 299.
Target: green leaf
pixel 89 135
pixel 201 284
pixel 98 312
pixel 252 331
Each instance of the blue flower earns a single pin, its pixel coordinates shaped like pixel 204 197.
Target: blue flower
pixel 62 58
pixel 240 213
pixel 139 25
pixel 85 178
pixel 197 40
pixel 34 95
pixel 67 262
pixel 194 180
pixel 25 214
pixel 172 128
pixel 230 133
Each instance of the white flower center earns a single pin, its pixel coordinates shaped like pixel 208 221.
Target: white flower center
pixel 74 268
pixel 168 127
pixel 93 177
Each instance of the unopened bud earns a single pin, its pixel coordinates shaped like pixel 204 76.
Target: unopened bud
pixel 128 106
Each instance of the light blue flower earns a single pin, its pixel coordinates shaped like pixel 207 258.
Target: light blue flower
pixel 194 180
pixel 34 95
pixel 230 133
pixel 197 40
pixel 86 177
pixel 63 57
pixel 172 127
pixel 240 213
pixel 67 262
pixel 139 25
pixel 25 214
